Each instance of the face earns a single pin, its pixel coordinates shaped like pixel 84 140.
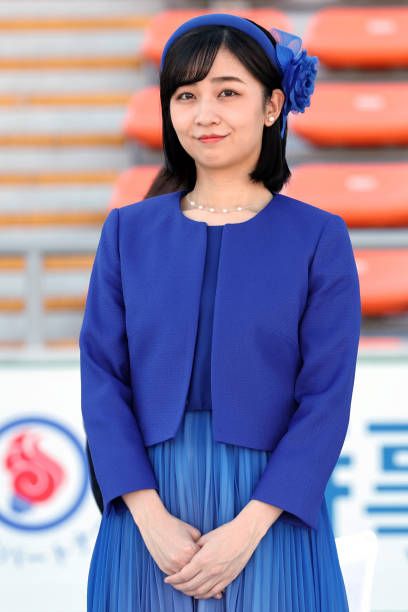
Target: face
pixel 231 107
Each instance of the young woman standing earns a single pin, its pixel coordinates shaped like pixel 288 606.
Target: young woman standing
pixel 218 349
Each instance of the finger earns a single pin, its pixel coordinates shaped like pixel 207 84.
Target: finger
pixel 204 588
pixel 196 533
pixel 191 587
pixel 211 590
pixel 188 572
pixel 180 578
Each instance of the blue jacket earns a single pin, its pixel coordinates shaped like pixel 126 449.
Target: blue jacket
pixel 286 330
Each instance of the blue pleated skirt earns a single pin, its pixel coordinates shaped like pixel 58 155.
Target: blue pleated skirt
pixel 206 483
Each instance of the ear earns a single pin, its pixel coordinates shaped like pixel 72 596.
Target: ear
pixel 274 106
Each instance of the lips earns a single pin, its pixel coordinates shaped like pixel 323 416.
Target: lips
pixel 211 138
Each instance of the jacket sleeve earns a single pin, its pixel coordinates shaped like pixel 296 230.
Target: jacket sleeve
pixel 299 467
pixel 120 459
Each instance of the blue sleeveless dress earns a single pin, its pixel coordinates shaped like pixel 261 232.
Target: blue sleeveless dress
pixel 206 483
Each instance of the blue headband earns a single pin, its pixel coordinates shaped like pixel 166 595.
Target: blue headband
pixel 297 69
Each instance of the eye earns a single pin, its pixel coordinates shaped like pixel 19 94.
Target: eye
pixel 182 94
pixel 230 90
pixel 187 93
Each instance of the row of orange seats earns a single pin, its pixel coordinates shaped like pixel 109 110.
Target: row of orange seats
pixel 342 37
pixel 367 195
pixel 343 113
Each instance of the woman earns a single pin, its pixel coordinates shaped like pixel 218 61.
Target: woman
pixel 218 349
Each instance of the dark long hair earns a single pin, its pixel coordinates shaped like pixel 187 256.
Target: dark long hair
pixel 188 60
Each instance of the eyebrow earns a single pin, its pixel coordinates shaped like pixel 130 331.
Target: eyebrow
pixel 222 79
pixel 227 78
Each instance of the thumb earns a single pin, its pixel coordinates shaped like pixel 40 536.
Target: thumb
pixel 196 533
pixel 202 540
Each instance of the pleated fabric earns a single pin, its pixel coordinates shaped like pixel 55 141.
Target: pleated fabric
pixel 206 483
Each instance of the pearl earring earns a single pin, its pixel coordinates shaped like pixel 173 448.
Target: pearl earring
pixel 271 118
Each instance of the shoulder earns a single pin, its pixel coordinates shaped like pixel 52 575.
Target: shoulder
pixel 330 243
pixel 306 211
pixel 141 219
pixel 149 208
pixel 305 218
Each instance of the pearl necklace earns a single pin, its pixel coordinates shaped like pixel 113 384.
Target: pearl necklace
pixel 223 210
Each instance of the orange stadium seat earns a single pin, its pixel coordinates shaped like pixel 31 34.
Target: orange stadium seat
pixel 381 343
pixel 383 280
pixel 364 194
pixel 163 24
pixel 359 37
pixel 142 120
pixel 355 114
pixel 132 185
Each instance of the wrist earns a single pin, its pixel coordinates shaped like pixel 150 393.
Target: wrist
pixel 259 516
pixel 144 504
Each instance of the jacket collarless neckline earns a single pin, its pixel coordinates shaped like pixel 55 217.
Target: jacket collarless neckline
pixel 177 202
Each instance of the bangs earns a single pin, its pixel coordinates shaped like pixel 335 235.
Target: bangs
pixel 190 58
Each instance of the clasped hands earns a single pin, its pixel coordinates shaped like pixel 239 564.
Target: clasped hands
pixel 223 554
pixel 199 565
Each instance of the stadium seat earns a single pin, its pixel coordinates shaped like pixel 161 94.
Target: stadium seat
pixel 142 121
pixel 364 194
pixel 383 280
pixel 163 24
pixel 382 342
pixel 355 114
pixel 132 185
pixel 359 37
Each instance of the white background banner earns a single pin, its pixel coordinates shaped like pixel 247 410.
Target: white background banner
pixel 49 519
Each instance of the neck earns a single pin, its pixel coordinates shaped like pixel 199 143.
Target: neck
pixel 222 196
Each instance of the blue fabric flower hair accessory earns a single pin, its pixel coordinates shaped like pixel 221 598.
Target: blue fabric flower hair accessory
pixel 299 72
pixel 297 69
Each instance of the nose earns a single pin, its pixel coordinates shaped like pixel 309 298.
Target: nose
pixel 206 113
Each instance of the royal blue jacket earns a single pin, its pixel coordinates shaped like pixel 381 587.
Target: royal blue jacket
pixel 286 329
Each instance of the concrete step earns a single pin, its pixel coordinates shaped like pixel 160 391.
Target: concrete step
pixel 78 43
pixel 33 9
pixel 72 81
pixel 50 198
pixel 53 284
pixel 61 120
pixel 55 326
pixel 20 160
